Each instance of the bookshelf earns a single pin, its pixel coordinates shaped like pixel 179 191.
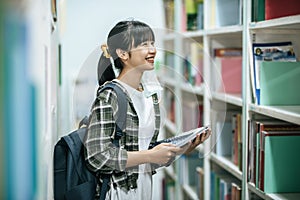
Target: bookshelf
pixel 29 40
pixel 222 109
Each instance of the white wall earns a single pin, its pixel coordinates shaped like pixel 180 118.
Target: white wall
pixel 85 25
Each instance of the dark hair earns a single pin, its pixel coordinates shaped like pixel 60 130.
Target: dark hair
pixel 124 35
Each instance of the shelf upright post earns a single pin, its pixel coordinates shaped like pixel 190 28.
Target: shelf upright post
pixel 178 72
pixel 206 113
pixel 206 99
pixel 245 93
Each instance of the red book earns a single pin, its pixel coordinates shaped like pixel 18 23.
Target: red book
pixel 231 74
pixel 279 8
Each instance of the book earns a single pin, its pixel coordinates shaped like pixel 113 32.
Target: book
pixel 212 184
pixel 231 73
pixel 228 52
pixel 258 10
pixel 224 141
pixel 225 186
pixel 170 105
pixel 276 8
pixel 200 15
pixel 197 62
pixel 192 114
pixel 281 51
pixel 212 14
pixel 225 189
pixel 169 13
pixel 193 64
pixel 193 162
pixel 228 12
pixel 280 160
pixel 283 77
pixel 191 14
pixel 258 127
pixel 251 150
pixel 237 140
pixel 236 191
pixel 183 138
pixel 168 188
pixel 200 183
pixel 227 70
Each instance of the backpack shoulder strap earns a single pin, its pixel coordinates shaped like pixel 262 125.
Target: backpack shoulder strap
pixel 122 109
pixel 120 127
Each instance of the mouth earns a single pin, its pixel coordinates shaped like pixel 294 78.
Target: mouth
pixel 150 59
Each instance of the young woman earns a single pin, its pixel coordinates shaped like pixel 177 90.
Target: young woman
pixel 130 51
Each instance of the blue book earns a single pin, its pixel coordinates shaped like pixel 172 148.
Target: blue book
pixel 200 16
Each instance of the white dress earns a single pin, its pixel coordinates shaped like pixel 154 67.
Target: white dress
pixel 145 111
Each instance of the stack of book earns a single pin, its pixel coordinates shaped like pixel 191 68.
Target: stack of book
pixel 275 68
pixel 273 147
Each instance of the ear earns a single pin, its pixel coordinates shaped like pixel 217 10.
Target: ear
pixel 122 54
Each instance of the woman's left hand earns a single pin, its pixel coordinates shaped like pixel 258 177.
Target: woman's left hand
pixel 198 140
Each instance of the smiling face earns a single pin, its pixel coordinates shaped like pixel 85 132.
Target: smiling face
pixel 142 56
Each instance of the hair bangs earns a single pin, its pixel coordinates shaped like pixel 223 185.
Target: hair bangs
pixel 142 34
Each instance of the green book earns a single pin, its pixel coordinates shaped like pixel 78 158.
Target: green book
pixel 257 160
pixel 191 12
pixel 258 10
pixel 281 162
pixel 279 83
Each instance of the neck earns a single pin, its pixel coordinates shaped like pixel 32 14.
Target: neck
pixel 131 77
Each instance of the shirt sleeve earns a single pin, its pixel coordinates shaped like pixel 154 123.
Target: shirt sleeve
pixel 100 153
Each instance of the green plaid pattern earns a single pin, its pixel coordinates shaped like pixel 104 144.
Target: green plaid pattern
pixel 100 153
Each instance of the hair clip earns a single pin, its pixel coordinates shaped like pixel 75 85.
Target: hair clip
pixel 105 50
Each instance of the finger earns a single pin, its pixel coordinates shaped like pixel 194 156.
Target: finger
pixel 203 136
pixel 168 144
pixel 175 149
pixel 208 133
pixel 197 140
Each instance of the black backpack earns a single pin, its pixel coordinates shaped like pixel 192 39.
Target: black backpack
pixel 72 178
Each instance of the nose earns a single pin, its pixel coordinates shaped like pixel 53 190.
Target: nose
pixel 152 49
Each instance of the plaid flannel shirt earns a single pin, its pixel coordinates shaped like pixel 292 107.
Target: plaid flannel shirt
pixel 100 153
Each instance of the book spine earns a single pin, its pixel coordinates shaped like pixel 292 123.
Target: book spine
pixel 227 52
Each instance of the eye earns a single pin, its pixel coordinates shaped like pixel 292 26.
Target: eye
pixel 147 44
pixel 144 44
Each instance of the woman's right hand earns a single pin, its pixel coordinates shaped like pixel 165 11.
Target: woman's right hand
pixel 164 153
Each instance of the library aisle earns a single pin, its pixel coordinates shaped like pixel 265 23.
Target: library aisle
pixel 231 64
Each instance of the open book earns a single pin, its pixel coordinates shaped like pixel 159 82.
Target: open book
pixel 183 138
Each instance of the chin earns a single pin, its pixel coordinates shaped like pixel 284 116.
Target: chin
pixel 146 67
pixel 151 65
